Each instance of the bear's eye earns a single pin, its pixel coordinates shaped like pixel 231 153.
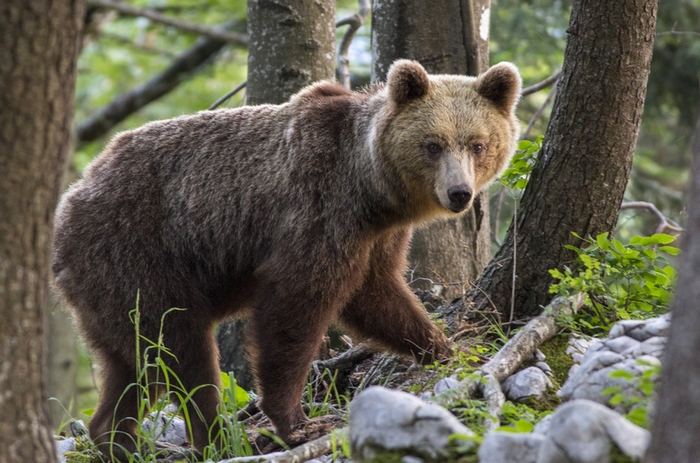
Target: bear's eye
pixel 434 148
pixel 478 148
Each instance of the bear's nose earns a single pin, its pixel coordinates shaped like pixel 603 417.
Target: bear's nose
pixel 460 196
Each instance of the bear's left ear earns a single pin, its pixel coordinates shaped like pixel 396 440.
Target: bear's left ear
pixel 501 84
pixel 407 81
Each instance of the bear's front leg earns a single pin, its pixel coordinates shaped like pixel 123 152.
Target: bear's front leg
pixel 386 310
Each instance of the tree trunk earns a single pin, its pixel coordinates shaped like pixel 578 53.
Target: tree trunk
pixel 39 41
pixel 62 361
pixel 452 251
pixel 291 45
pixel 582 171
pixel 674 436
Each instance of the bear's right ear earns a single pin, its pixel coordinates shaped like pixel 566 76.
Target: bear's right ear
pixel 407 81
pixel 501 84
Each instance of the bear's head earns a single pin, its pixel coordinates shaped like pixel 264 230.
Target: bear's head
pixel 447 137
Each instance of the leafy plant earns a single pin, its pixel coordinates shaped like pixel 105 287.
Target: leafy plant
pixel 517 175
pixel 619 281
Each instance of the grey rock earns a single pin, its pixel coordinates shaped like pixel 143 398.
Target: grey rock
pixel 539 355
pixel 542 427
pixel 506 447
pixel 384 419
pixel 411 459
pixel 593 378
pixel 546 369
pixel 64 445
pixel 165 428
pixel 583 432
pixel 641 330
pixel 528 383
pixel 445 384
pixel 621 344
pixel 578 345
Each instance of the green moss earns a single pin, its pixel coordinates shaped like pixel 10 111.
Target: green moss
pixel 618 456
pixel 557 358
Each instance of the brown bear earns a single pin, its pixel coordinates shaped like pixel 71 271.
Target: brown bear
pixel 296 214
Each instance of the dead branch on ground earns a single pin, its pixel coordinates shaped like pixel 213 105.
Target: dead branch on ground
pixel 486 381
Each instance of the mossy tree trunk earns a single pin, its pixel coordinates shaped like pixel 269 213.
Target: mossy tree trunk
pixel 454 251
pixel 291 44
pixel 584 165
pixel 39 42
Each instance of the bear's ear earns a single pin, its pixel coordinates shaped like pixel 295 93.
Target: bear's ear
pixel 407 81
pixel 501 84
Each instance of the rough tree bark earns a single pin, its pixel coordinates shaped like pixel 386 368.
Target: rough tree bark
pixel 457 250
pixel 583 167
pixel 291 44
pixel 674 436
pixel 39 43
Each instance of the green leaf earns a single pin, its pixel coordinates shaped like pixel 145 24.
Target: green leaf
pixel 670 250
pixel 621 374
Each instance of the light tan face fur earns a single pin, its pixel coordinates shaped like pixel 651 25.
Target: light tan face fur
pixel 453 141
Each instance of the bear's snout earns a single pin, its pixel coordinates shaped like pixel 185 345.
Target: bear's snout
pixel 459 197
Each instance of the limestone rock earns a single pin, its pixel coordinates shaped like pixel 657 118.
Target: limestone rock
pixel 528 383
pixel 382 419
pixel 506 447
pixel 583 431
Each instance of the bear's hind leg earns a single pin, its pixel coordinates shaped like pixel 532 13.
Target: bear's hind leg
pixel 197 368
pixel 285 338
pixel 113 425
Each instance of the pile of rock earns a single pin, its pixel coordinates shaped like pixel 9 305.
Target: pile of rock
pixel 583 430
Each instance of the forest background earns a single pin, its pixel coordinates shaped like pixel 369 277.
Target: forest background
pixel 122 53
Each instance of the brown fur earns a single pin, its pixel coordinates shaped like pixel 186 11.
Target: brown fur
pixel 298 214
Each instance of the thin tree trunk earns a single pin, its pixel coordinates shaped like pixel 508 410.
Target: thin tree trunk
pixel 453 251
pixel 291 45
pixel 583 167
pixel 39 42
pixel 674 437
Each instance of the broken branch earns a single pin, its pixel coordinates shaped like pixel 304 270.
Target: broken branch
pixel 214 33
pixel 539 86
pixel 354 21
pixel 664 222
pixel 487 380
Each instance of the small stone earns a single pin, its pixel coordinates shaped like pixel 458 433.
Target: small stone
pixel 546 369
pixel 526 384
pixel 164 428
pixel 411 459
pixel 506 447
pixel 64 445
pixel 445 384
pixel 539 356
